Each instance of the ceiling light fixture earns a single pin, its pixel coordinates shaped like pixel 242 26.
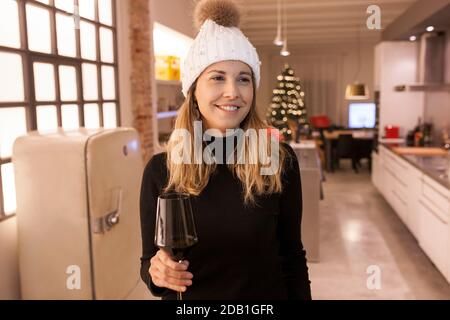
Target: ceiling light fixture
pixel 412 38
pixel 278 39
pixel 284 51
pixel 430 28
pixel 357 90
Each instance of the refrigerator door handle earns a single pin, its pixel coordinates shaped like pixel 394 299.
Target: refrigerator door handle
pixel 108 221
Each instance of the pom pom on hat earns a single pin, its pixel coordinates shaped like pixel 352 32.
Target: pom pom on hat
pixel 222 12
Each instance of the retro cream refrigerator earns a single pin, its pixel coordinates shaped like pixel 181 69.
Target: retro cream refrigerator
pixel 78 213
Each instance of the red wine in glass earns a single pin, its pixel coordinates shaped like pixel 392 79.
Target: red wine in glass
pixel 175 230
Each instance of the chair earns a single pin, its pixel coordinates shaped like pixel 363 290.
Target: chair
pixel 346 149
pixel 363 149
pixel 320 123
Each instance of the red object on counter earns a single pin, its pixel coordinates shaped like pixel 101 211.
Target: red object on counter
pixel 391 132
pixel 320 122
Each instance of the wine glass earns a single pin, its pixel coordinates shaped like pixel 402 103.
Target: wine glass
pixel 175 229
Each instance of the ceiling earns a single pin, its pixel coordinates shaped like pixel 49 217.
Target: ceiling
pixel 312 22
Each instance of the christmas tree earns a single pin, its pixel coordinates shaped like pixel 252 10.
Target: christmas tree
pixel 287 111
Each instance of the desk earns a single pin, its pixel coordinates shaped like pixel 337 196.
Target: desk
pixel 329 137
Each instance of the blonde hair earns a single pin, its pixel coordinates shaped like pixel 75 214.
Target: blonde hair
pixel 192 178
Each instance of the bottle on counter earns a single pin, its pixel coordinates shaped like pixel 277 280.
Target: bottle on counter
pixel 418 139
pixel 418 133
pixel 427 134
pixel 410 138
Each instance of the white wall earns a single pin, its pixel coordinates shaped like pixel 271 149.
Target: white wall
pixel 335 65
pixel 175 14
pixel 124 62
pixel 161 11
pixel 397 66
pixel 437 111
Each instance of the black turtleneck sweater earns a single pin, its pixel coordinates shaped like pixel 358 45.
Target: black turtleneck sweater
pixel 243 252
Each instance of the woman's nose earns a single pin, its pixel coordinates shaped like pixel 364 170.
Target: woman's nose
pixel 231 90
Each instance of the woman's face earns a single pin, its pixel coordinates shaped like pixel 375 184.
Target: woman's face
pixel 224 94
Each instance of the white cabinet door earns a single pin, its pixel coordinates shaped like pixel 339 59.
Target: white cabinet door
pixel 395 184
pixel 389 182
pixel 414 193
pixel 400 204
pixel 434 236
pixel 437 194
pixel 401 190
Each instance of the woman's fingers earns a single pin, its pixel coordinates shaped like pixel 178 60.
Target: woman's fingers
pixel 168 273
pixel 164 284
pixel 167 260
pixel 172 281
pixel 172 268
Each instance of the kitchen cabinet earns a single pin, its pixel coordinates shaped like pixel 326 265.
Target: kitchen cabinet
pixel 414 181
pixel 400 188
pixel 420 202
pixel 399 182
pixel 434 235
pixel 389 185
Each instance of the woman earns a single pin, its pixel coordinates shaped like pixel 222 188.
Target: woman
pixel 248 223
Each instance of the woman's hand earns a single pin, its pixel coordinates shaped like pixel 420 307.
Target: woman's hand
pixel 170 274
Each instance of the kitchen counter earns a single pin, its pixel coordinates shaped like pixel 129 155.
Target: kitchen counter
pixel 436 167
pixel 413 182
pixel 311 175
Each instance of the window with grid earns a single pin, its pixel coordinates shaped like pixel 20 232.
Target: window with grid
pixel 58 68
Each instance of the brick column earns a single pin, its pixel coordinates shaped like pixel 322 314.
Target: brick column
pixel 141 40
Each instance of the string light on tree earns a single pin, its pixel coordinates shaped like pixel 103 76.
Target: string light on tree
pixel 287 112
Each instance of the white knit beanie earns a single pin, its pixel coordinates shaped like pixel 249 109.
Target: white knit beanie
pixel 219 39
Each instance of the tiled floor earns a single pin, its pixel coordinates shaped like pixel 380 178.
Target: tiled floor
pixel 359 229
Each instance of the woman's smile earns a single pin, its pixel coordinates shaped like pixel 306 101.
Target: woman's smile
pixel 228 108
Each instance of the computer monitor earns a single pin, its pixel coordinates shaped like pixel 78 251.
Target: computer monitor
pixel 361 115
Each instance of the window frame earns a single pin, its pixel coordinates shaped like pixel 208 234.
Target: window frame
pixel 29 57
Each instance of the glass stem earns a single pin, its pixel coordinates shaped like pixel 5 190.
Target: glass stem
pixel 179 294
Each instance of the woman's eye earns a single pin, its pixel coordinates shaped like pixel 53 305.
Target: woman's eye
pixel 219 78
pixel 245 79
